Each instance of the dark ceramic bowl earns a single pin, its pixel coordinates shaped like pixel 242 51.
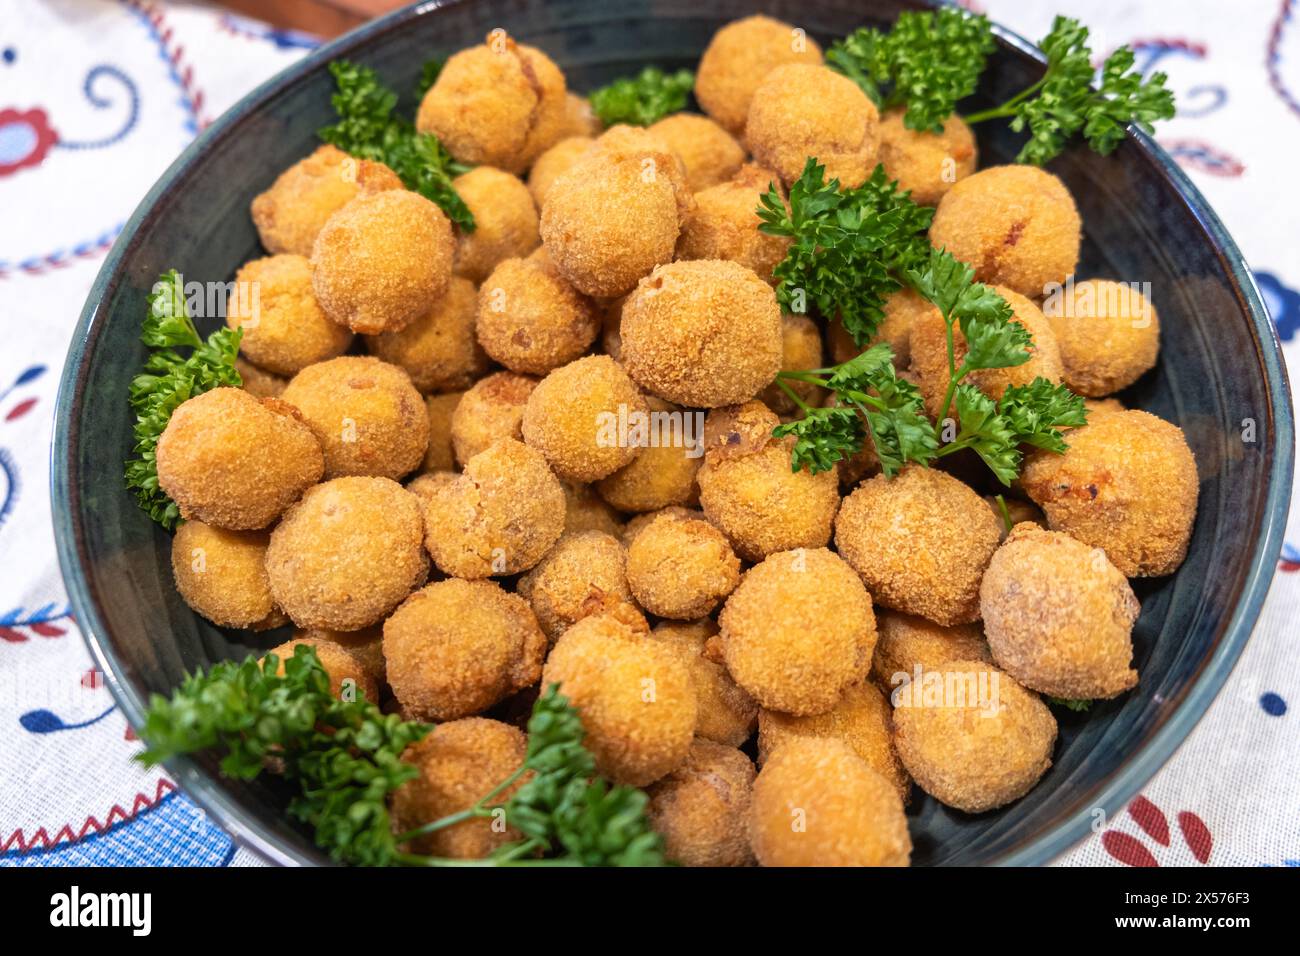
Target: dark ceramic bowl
pixel 1219 366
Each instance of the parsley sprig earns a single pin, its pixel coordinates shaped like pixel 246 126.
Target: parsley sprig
pixel 367 129
pixel 168 379
pixel 643 99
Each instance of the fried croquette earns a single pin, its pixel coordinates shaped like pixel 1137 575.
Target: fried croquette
pixel 366 645
pixel 1108 334
pixel 490 410
pixel 531 320
pixel 926 164
pixel 222 575
pixel 749 492
pixel 366 414
pixel 584 574
pixel 500 517
pixel 348 553
pixel 382 261
pixel 725 711
pixel 1059 616
pixel 586 418
pixel 929 354
pixel 681 568
pixel 710 154
pixel 702 333
pixel 983 743
pixel 505 221
pixel 861 718
pixel 921 541
pixel 901 310
pixel 499 104
pixel 555 162
pixel 737 60
pixel 907 642
pixel 455 648
pixel 664 473
pixel 817 803
pixel 236 462
pixel 292 212
pixel 438 350
pixel 1127 484
pixel 638 523
pixel 724 224
pixel 798 630
pixel 350 679
pixel 579 118
pixel 634 696
pixel 459 762
pixel 803 110
pixel 1017 226
pixel 702 808
pixel 584 510
pixel 258 382
pixel 441 409
pixel 424 485
pixel 285 329
pixel 801 350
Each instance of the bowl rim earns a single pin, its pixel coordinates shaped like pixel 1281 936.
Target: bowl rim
pixel 1142 764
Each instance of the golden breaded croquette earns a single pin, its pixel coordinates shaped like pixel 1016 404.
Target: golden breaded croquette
pixel 861 718
pixel 1016 225
pixel 438 350
pixel 460 762
pixel 530 319
pixel 1108 334
pixel 424 485
pixel 739 57
pixel 929 353
pixel 584 574
pixel 366 645
pixel 711 154
pixel 1096 407
pixel 348 553
pixel 500 517
pixel 291 213
pixel 579 118
pixel 584 510
pixel 907 642
pixel 499 104
pixel 725 711
pixel 285 329
pixel 553 163
pixel 441 409
pixel 492 409
pixel 1017 511
pixel 801 350
pixel 234 461
pixel 350 679
pixel 817 803
pixel 926 164
pixel 455 648
pixel 702 808
pixel 798 630
pixel 505 221
pixel 366 414
pixel 749 492
pixel 702 333
pixel 724 224
pixel 1127 484
pixel 258 382
pixel 584 418
pixel 803 111
pixel 983 744
pixel 222 575
pixel 902 309
pixel 681 568
pixel 664 473
pixel 616 213
pixel 634 696
pixel 1059 616
pixel 382 261
pixel 638 523
pixel 921 541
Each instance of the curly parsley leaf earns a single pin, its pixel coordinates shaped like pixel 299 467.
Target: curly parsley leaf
pixel 1076 705
pixel 987 433
pixel 1124 98
pixel 643 99
pixel 1037 412
pixel 823 437
pixel 429 74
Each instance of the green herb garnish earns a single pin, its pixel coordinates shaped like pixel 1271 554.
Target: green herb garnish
pixel 642 99
pixel 1078 706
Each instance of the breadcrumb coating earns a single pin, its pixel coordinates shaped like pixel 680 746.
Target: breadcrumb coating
pixel 638 523
pixel 455 648
pixel 584 574
pixel 681 568
pixel 801 349
pixel 798 630
pixel 285 329
pixel 584 510
pixel 921 541
pixel 579 118
pixel 553 163
pixel 350 679
pixel 258 382
pixel 907 642
pixel 664 473
pixel 923 163
pixel 505 221
pixel 702 808
pixel 236 462
pixel 366 645
pixel 438 350
pixel 347 553
pixel 441 409
pixel 902 309
pixel 710 154
pixel 1108 333
pixel 492 409
pixel 726 713
pixel 817 803
pixel 724 224
pixel 366 414
pixel 737 60
pixel 222 575
pixel 424 485
pixel 1016 226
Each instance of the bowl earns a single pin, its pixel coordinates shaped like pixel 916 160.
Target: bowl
pixel 1220 372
